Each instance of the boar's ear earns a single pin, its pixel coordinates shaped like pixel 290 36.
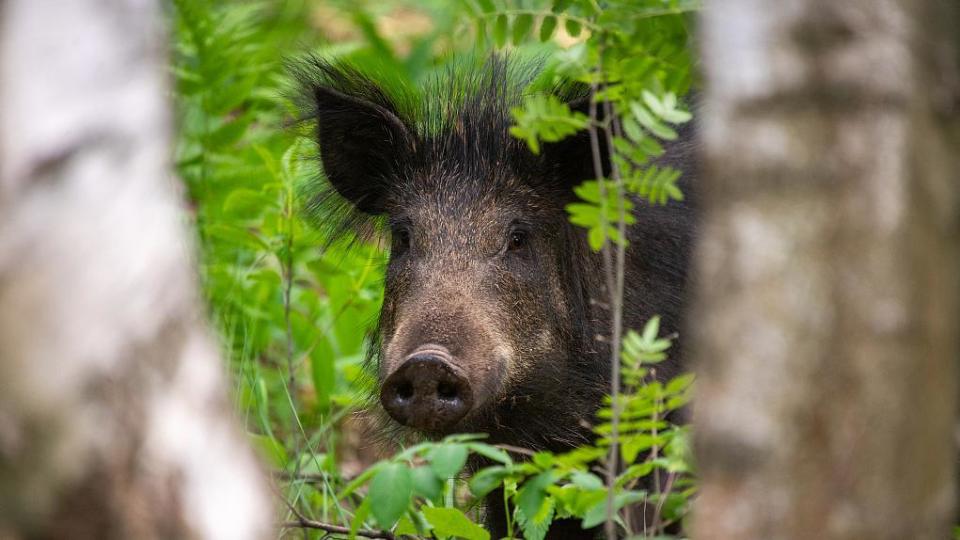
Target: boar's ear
pixel 572 157
pixel 361 144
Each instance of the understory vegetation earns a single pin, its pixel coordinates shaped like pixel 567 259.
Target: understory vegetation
pixel 294 308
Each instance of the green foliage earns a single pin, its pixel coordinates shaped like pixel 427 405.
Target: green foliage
pixel 552 486
pixel 293 310
pixel 637 60
pixel 545 118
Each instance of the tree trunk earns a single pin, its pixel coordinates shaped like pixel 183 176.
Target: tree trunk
pixel 827 309
pixel 114 420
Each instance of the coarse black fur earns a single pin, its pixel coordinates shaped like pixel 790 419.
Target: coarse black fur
pixel 378 145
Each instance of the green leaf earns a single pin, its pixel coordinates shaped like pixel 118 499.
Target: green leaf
pixel 648 121
pixel 359 517
pixel 360 480
pixel 491 452
pixel 634 444
pixel 536 527
pixel 486 480
pixel 545 118
pixel 487 6
pixel 453 522
pixel 228 133
pixel 573 27
pixel 405 527
pixel 679 383
pixel 596 237
pixel 547 27
pixel 500 30
pixel 247 203
pixel 532 495
pixel 237 235
pixel 323 373
pixel 446 460
pixel 426 483
pixel 521 27
pixel 271 449
pixel 586 480
pixel 632 128
pixel 390 492
pixel 652 329
pixel 598 514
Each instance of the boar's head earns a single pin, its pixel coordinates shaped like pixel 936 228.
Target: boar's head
pixel 486 320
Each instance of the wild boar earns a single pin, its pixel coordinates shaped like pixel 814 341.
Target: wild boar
pixel 496 315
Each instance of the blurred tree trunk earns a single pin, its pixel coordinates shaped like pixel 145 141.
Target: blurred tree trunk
pixel 114 419
pixel 827 315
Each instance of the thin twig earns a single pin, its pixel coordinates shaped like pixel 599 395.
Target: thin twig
pixel 291 370
pixel 655 453
pixel 312 478
pixel 304 523
pixel 515 449
pixel 657 523
pixel 616 304
pixel 609 525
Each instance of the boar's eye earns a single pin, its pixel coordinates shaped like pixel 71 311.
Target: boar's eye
pixel 401 239
pixel 518 240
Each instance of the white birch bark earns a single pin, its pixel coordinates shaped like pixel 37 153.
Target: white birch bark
pixel 827 320
pixel 114 415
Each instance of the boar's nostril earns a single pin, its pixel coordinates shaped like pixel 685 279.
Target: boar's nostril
pixel 405 390
pixel 427 393
pixel 446 390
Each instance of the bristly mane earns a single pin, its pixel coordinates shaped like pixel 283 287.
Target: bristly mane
pixel 459 121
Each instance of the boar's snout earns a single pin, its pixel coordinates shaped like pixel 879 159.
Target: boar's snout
pixel 427 392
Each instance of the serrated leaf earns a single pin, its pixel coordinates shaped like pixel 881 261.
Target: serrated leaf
pixel 453 522
pixel 536 527
pixel 389 493
pixel 533 493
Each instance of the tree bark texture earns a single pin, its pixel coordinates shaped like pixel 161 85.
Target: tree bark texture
pixel 827 310
pixel 114 416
